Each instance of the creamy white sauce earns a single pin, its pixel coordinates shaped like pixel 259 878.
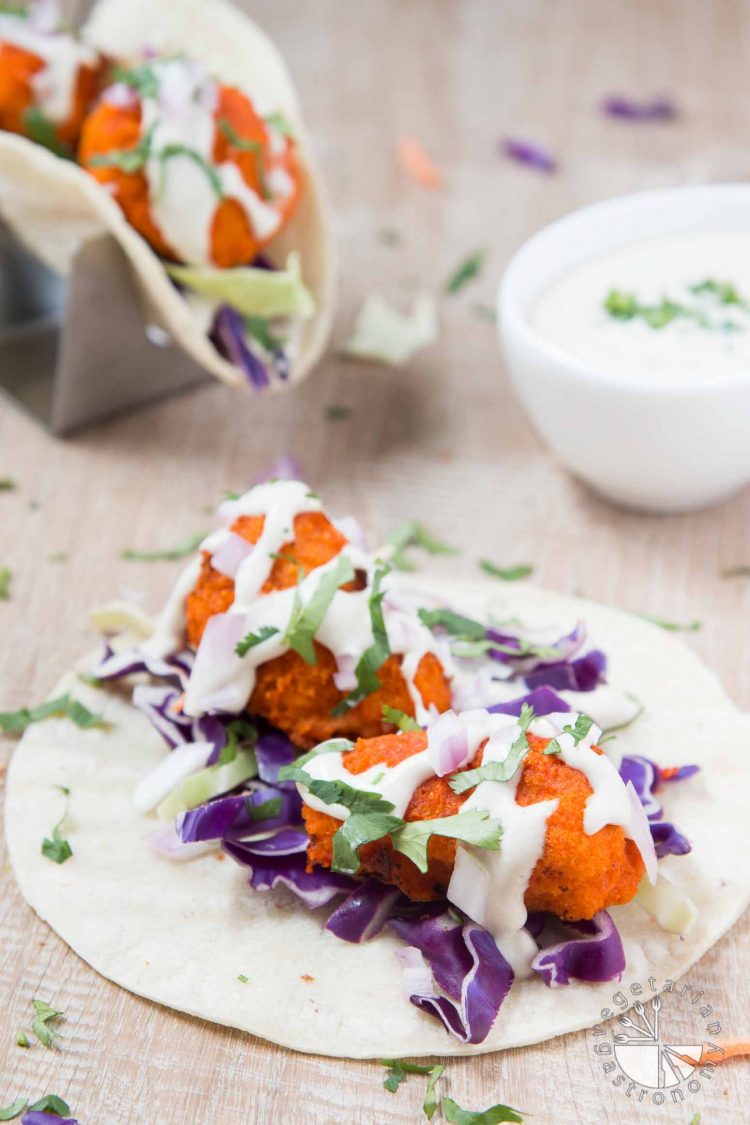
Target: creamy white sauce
pixel 182 196
pixel 490 886
pixel 55 84
pixel 571 316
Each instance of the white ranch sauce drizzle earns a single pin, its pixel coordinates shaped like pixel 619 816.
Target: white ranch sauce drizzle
pixel 490 886
pixel 222 681
pixel 55 84
pixel 182 198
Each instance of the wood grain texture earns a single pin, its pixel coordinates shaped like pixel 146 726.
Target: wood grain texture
pixel 443 440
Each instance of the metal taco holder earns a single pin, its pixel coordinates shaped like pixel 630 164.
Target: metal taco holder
pixel 77 350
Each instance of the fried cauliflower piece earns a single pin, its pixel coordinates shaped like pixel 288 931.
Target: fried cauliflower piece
pixel 576 875
pixel 18 69
pixel 295 696
pixel 241 138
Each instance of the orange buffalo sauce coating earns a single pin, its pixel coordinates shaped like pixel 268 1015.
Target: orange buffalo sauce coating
pixel 295 696
pixel 233 242
pixel 576 875
pixel 17 69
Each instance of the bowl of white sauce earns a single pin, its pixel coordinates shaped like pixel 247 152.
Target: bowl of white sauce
pixel 626 329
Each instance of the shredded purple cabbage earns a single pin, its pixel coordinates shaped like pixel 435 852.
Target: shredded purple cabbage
pixel 530 153
pixel 364 912
pixel 159 705
pixel 466 964
pixel 596 956
pixel 660 108
pixel 543 699
pixel 269 870
pixel 40 1117
pixel 230 338
pixel 646 776
pixel 116 665
pixel 231 817
pixel 583 674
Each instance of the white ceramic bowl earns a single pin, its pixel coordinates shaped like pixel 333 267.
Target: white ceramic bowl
pixel 656 447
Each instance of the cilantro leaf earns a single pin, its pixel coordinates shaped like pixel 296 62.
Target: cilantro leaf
pixel 8 1112
pixel 373 658
pixel 169 554
pixel 250 640
pixel 64 705
pixel 337 792
pixel 357 830
pixel 179 149
pixel 280 123
pixel 474 826
pixel 672 626
pixel 128 160
pixel 143 79
pixel 7 484
pixel 506 573
pixel 40 1024
pixel 57 849
pixel 414 534
pixel 466 271
pixel 50 1103
pixel 397 1072
pixel 260 330
pixel 265 810
pixel 578 731
pixel 454 623
pixel 492 1116
pixel 246 145
pixel 498 771
pixel 305 620
pixel 41 130
pixel 5 577
pixel 242 978
pixel 399 718
pixel 240 735
pixel 22 1040
pixel 331 746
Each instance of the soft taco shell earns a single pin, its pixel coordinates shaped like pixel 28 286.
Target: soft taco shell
pixel 53 206
pixel 181 933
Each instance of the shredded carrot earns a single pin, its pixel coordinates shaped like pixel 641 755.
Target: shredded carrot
pixel 669 772
pixel 417 163
pixel 718 1052
pixel 177 704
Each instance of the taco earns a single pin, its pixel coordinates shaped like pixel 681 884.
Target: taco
pixel 449 819
pixel 173 126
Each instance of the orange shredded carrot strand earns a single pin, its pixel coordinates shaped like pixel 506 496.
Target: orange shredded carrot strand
pixel 417 163
pixel 718 1052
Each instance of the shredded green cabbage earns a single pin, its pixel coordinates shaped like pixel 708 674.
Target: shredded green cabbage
pixel 210 782
pixel 252 291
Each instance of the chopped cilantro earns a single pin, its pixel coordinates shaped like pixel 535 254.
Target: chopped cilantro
pixel 492 1116
pixel 390 237
pixel 40 1024
pixel 143 79
pixel 306 619
pixel 397 1072
pixel 8 1112
pixel 498 771
pixel 414 534
pixel 241 735
pixel 280 122
pixel 474 826
pixel 357 830
pixel 672 626
pixel 178 149
pixel 260 329
pixel 22 1039
pixel 373 658
pixel 41 130
pixel 454 623
pixel 246 145
pixel 265 810
pixel 58 849
pixel 399 718
pixel 169 554
pixel 7 484
pixel 5 577
pixel 724 291
pixel 128 160
pixel 50 1103
pixel 58 556
pixel 242 978
pixel 578 732
pixel 332 746
pixel 64 705
pixel 250 640
pixel 338 413
pixel 742 571
pixel 484 312
pixel 468 269
pixel 506 573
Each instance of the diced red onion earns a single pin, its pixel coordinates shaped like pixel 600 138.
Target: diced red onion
pixel 232 552
pixel 448 744
pixel 416 975
pixel 640 833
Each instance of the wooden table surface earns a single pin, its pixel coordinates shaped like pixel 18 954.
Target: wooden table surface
pixel 442 440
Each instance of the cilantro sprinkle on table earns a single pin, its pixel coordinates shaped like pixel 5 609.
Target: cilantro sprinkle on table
pixel 5 577
pixel 506 573
pixel 242 978
pixel 492 1116
pixel 672 626
pixel 22 1039
pixel 7 484
pixel 168 554
pixel 9 1112
pixel 57 848
pixel 466 271
pixel 45 1014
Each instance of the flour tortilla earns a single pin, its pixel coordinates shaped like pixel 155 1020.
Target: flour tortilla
pixel 54 207
pixel 181 933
